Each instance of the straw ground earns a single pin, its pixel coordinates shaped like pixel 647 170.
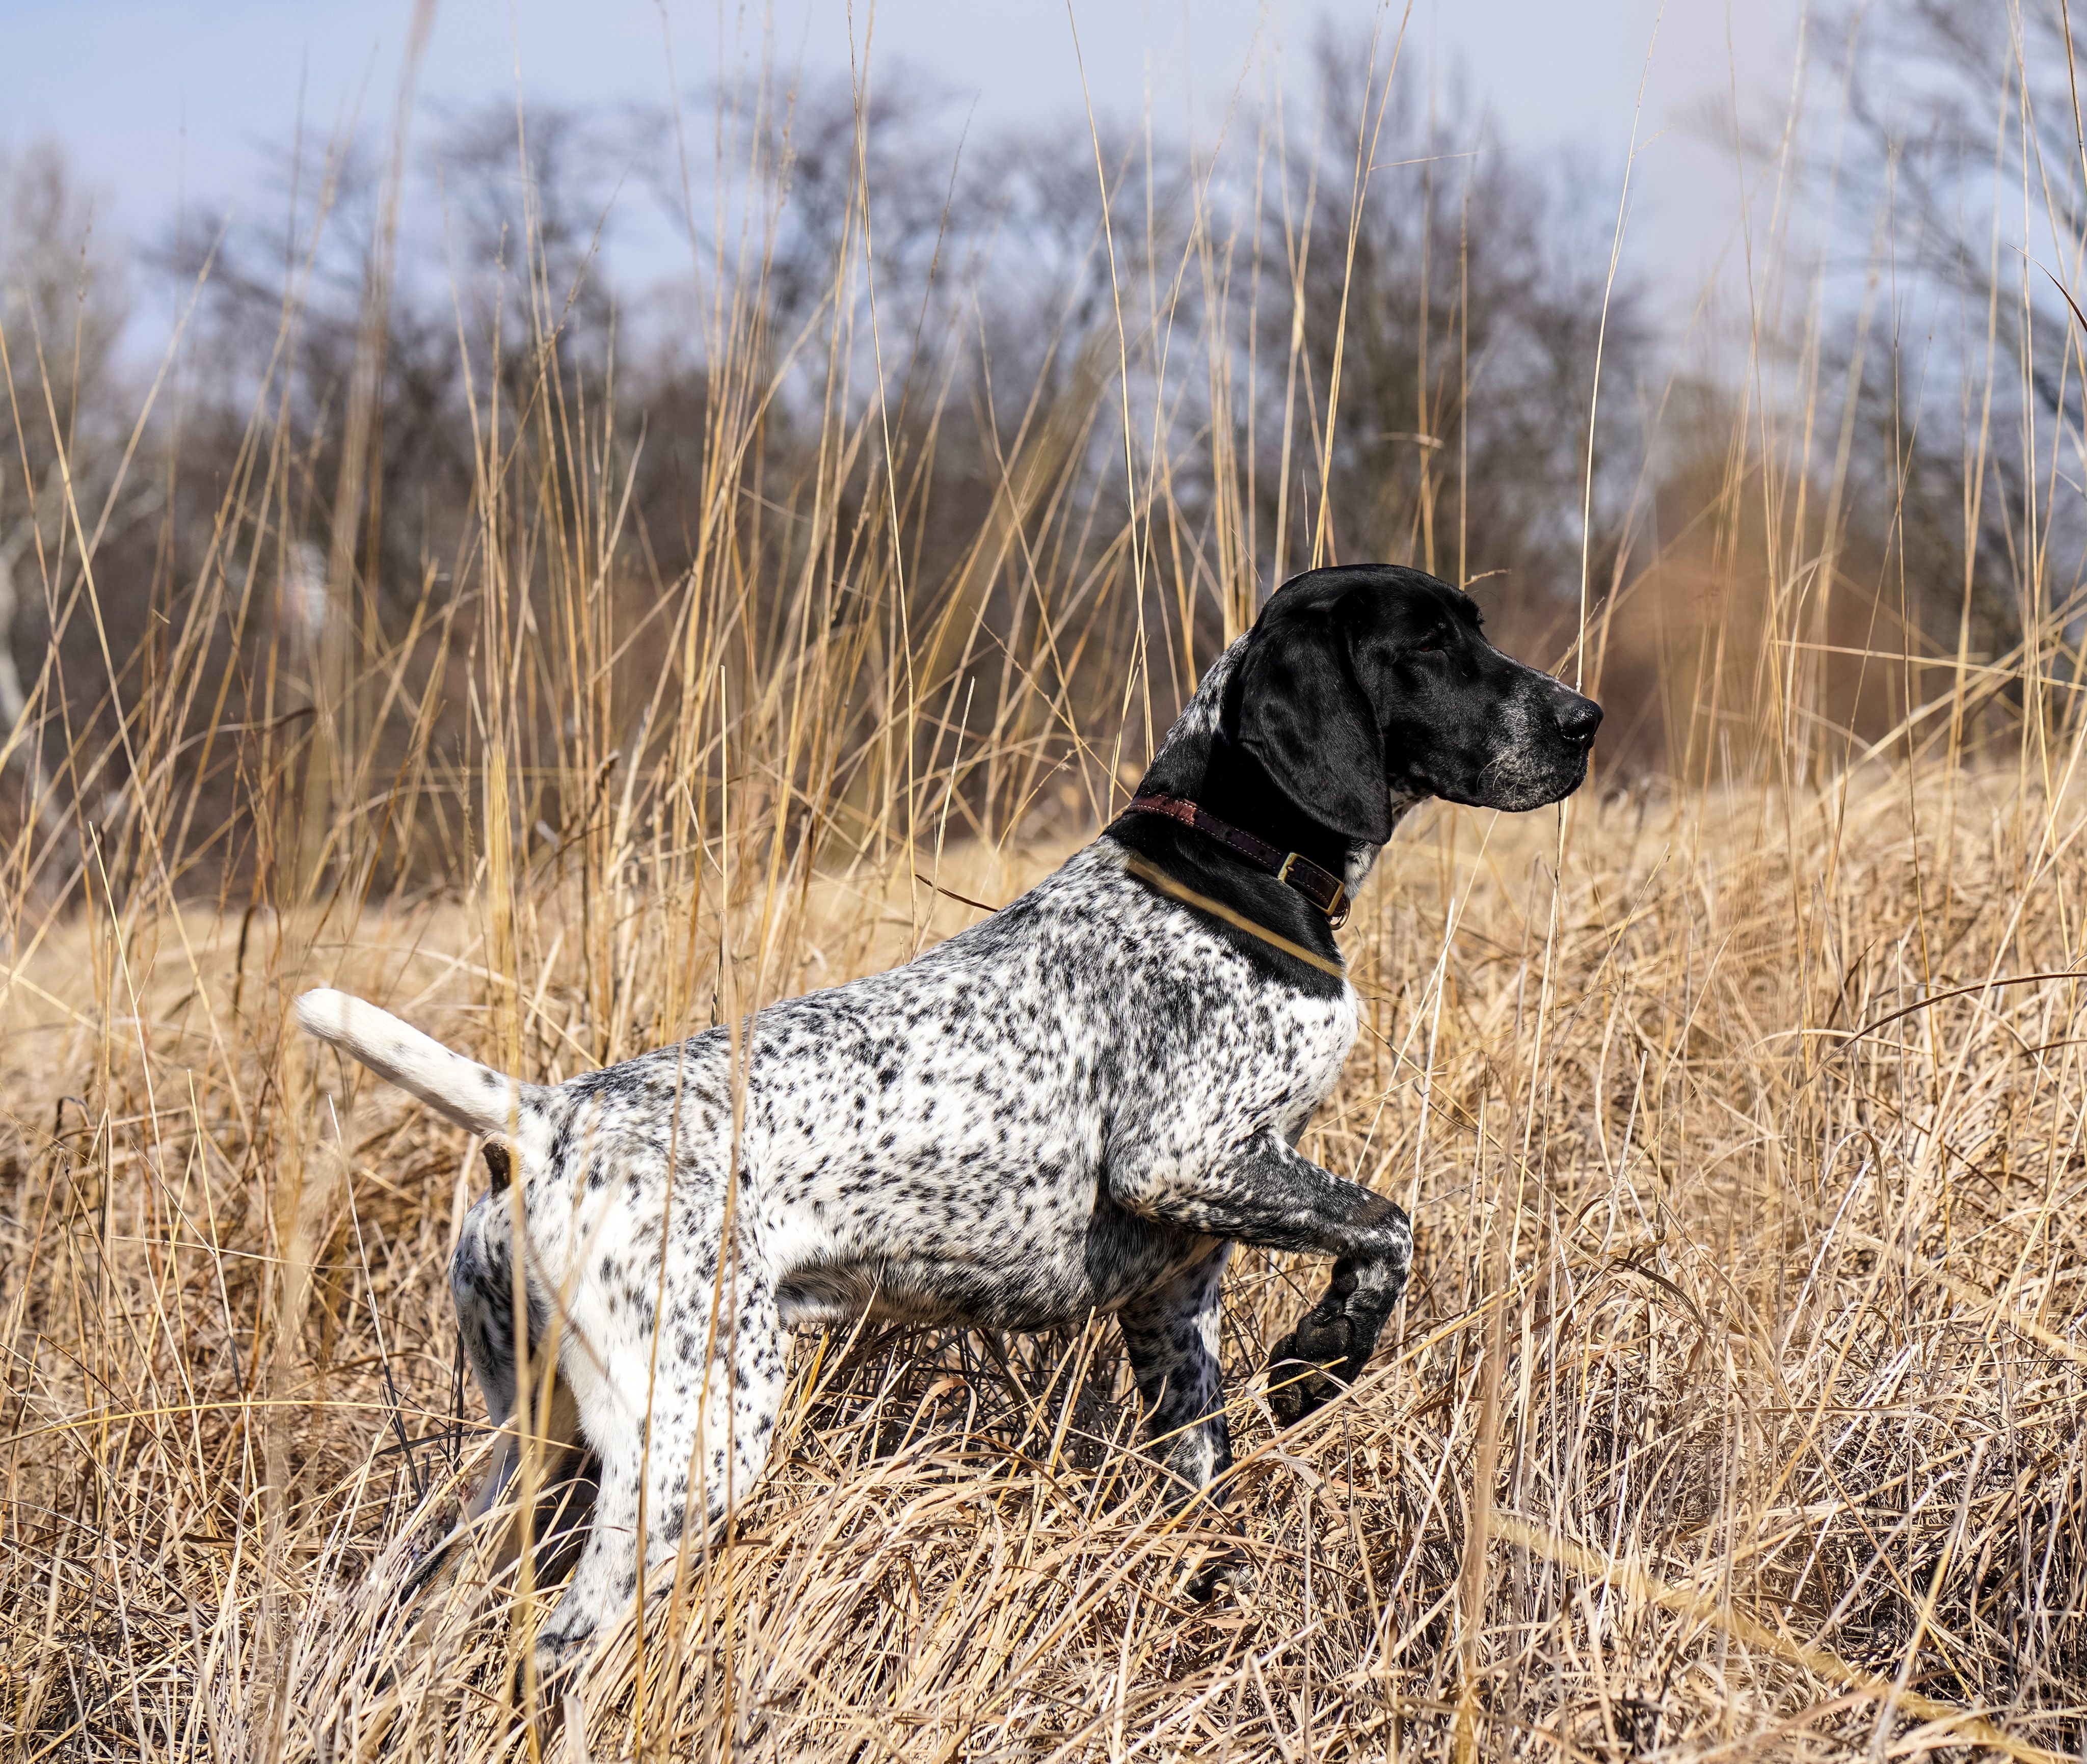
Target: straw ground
pixel 1737 1381
pixel 1737 1103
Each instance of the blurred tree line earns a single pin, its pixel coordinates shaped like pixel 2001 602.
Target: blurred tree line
pixel 935 390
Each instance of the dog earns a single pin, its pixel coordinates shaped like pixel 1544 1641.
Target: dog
pixel 1077 1106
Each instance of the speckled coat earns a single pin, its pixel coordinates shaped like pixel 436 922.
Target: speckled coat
pixel 1073 1107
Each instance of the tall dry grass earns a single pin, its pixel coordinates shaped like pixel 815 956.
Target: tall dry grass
pixel 1730 1413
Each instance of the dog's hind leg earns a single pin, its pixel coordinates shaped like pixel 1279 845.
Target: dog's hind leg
pixel 482 1283
pixel 680 1453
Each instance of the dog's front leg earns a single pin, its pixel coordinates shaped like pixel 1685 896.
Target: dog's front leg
pixel 1171 1334
pixel 1268 1196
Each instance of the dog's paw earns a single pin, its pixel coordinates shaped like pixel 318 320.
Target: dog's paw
pixel 1298 1383
pixel 554 1663
pixel 1218 1575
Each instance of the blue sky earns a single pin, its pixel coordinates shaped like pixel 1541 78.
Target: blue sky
pixel 160 100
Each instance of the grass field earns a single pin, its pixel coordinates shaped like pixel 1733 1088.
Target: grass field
pixel 1732 1412
pixel 1737 1382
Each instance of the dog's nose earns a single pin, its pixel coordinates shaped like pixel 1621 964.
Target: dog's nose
pixel 1578 717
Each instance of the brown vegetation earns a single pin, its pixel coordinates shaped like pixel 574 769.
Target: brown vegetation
pixel 566 684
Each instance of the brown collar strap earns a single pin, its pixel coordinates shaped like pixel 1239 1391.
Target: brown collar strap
pixel 1320 886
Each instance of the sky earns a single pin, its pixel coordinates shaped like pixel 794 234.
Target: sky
pixel 164 101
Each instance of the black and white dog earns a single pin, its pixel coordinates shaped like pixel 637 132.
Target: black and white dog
pixel 1078 1104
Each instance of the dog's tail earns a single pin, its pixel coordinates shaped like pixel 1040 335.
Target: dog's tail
pixel 473 1095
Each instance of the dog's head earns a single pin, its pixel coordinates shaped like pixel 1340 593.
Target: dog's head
pixel 1369 686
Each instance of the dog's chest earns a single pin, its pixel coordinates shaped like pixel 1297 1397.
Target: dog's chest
pixel 938 1146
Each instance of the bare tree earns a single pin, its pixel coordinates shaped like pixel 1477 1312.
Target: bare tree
pixel 1967 140
pixel 63 306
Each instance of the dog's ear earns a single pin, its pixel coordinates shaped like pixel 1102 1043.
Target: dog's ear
pixel 1305 714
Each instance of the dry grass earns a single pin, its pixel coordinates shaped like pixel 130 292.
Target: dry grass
pixel 1774 1324
pixel 1732 1411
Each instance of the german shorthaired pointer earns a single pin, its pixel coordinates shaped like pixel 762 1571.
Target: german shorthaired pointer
pixel 1078 1104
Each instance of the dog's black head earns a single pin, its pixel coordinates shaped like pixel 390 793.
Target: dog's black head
pixel 1364 687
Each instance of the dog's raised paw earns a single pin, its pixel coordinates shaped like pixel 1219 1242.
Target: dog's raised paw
pixel 1298 1383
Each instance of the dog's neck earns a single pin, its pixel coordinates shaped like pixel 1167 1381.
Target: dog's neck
pixel 1198 761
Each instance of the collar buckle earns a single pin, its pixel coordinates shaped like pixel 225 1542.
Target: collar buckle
pixel 1318 885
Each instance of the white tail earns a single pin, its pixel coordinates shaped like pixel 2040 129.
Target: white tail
pixel 473 1095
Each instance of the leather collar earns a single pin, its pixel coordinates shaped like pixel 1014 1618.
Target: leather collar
pixel 1320 886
